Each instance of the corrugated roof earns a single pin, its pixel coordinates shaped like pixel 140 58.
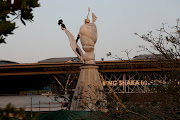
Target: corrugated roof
pixel 7 62
pixel 148 56
pixel 59 60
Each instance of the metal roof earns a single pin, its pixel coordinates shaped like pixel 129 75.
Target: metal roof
pixel 74 67
pixel 59 60
pixel 7 62
pixel 148 56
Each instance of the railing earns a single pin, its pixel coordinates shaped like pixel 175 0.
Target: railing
pixel 47 106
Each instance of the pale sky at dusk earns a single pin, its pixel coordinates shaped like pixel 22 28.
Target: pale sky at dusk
pixel 117 21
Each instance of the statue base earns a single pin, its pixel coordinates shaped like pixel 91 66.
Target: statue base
pixel 89 94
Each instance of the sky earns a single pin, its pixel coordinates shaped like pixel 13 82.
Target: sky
pixel 117 21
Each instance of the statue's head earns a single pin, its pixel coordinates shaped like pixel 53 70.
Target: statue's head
pixel 87 20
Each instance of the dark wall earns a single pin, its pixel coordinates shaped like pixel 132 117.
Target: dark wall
pixel 15 84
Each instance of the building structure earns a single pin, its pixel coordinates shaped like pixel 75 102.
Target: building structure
pixel 125 76
pixel 58 75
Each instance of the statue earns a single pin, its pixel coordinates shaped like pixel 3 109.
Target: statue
pixel 89 86
pixel 88 38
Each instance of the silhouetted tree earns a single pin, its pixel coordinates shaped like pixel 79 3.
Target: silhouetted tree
pixel 165 104
pixel 20 9
pixel 166 48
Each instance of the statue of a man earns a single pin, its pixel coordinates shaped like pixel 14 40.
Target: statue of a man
pixel 88 38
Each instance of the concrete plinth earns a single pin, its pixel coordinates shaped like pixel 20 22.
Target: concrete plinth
pixel 88 94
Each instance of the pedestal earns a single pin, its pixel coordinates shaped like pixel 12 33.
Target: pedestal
pixel 89 93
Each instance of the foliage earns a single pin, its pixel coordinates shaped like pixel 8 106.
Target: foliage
pixel 11 113
pixel 21 9
pixel 167 44
pixel 165 102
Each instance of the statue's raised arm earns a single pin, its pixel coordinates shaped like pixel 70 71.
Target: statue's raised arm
pixel 72 42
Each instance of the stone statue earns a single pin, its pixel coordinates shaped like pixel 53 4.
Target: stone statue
pixel 88 38
pixel 89 88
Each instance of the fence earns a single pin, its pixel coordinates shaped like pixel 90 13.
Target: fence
pixel 47 106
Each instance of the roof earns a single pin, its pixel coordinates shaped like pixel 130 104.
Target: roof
pixel 7 62
pixel 148 56
pixel 60 60
pixel 74 67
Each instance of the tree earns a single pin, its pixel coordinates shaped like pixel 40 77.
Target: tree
pixel 20 9
pixel 164 49
pixel 167 46
pixel 166 43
